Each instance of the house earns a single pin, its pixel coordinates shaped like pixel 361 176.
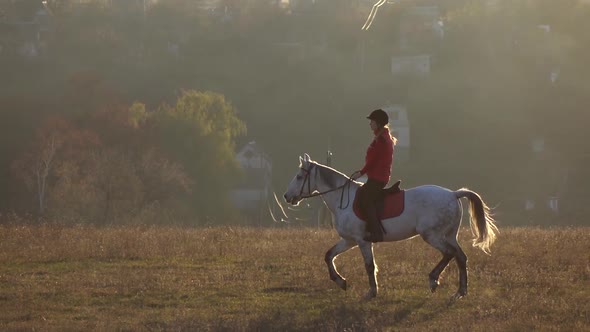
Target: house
pixel 420 23
pixel 546 178
pixel 413 65
pixel 420 29
pixel 24 28
pixel 399 125
pixel 252 193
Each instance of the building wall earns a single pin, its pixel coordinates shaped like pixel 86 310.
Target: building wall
pixel 418 65
pixel 256 188
pixel 399 124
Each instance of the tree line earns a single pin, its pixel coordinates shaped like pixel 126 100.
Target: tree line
pixel 116 163
pixel 134 116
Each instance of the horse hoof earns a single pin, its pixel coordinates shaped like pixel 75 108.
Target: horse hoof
pixel 370 295
pixel 341 283
pixel 433 285
pixel 457 296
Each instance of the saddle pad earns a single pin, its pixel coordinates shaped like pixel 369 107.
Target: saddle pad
pixel 392 207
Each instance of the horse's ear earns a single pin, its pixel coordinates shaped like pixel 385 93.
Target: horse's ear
pixel 307 157
pixel 300 161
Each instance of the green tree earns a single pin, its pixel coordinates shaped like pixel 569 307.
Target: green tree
pixel 199 132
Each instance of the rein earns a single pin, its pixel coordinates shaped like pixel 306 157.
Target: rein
pixel 309 195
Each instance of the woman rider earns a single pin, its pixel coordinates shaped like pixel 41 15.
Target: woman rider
pixel 378 161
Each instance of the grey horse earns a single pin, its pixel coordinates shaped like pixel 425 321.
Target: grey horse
pixel 430 211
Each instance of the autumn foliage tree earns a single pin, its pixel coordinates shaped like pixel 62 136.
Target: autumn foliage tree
pixel 199 132
pixel 57 153
pixel 115 164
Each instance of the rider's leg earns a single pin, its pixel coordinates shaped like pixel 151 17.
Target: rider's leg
pixel 372 192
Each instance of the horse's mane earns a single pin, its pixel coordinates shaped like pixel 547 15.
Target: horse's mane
pixel 324 171
pixel 329 168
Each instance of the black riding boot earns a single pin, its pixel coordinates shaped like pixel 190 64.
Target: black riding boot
pixel 371 193
pixel 373 227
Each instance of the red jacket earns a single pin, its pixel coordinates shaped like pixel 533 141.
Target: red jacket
pixel 379 157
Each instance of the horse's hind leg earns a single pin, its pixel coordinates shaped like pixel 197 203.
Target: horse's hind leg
pixel 340 247
pixel 450 249
pixel 443 236
pixel 438 269
pixel 461 259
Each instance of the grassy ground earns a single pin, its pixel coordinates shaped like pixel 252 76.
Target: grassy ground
pixel 249 279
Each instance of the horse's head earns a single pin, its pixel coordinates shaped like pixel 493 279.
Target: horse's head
pixel 302 185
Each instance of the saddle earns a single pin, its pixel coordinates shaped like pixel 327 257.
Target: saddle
pixel 393 189
pixel 389 205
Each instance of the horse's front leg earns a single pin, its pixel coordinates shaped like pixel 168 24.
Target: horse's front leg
pixel 371 267
pixel 340 247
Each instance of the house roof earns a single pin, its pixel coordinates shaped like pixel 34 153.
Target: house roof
pixel 251 147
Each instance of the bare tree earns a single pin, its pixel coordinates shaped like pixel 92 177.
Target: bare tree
pixel 43 168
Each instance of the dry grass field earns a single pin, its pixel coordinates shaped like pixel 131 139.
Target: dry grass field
pixel 253 279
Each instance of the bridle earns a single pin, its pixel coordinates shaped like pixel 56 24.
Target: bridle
pixel 307 180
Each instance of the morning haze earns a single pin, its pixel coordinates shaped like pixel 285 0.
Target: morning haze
pixel 148 148
pixel 120 112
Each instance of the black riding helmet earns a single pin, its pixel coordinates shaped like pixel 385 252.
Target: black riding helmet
pixel 379 116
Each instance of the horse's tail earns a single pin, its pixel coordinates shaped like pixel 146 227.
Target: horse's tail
pixel 483 226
